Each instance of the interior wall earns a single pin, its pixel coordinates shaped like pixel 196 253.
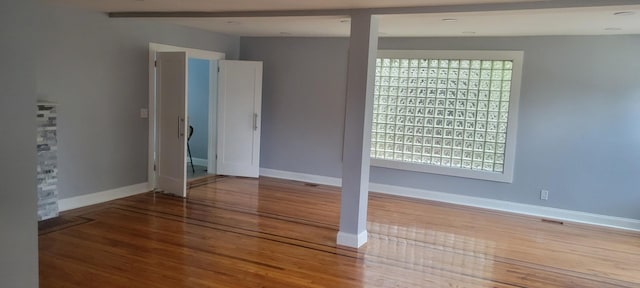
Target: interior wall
pixel 18 216
pixel 303 94
pixel 578 132
pixel 198 89
pixel 96 68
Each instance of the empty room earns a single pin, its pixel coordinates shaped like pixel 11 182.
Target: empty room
pixel 412 143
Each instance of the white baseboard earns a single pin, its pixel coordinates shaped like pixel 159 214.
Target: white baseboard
pixel 352 240
pixel 199 161
pixel 499 205
pixel 323 180
pixel 104 196
pixel 513 207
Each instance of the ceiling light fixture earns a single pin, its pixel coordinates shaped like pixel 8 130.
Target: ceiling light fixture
pixel 345 20
pixel 449 19
pixel 613 29
pixel 624 13
pixel 232 22
pixel 468 32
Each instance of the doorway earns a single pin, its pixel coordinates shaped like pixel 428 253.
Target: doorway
pixel 233 120
pixel 154 122
pixel 202 115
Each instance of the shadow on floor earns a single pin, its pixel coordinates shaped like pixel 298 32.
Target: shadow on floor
pixel 200 171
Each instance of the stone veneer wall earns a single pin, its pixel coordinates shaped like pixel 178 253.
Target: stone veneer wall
pixel 47 144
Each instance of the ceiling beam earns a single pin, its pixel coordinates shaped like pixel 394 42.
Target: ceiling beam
pixel 541 4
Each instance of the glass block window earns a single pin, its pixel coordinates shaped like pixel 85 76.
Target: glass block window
pixel 447 111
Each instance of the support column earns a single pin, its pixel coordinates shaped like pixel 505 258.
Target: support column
pixel 363 47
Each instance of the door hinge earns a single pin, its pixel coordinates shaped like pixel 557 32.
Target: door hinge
pixel 218 69
pixel 154 167
pixel 155 63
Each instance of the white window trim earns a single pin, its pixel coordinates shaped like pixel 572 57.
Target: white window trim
pixel 512 128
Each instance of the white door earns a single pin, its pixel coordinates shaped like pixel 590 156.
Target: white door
pixel 239 107
pixel 171 87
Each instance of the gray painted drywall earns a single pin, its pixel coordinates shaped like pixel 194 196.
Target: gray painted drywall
pixel 198 88
pixel 96 68
pixel 18 216
pixel 578 133
pixel 302 113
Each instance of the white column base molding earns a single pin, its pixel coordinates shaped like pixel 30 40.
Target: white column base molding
pixel 104 196
pixel 352 240
pixel 478 202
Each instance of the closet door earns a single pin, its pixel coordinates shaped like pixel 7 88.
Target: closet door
pixel 239 108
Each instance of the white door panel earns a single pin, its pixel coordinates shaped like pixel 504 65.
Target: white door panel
pixel 171 87
pixel 239 108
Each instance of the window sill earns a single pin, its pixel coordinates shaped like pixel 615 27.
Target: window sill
pixel 505 177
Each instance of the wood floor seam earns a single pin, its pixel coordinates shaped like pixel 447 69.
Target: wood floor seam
pixel 256 232
pixel 241 232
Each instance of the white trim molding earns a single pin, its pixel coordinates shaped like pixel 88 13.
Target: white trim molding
pixel 104 196
pixel 352 240
pixel 512 207
pixel 478 202
pixel 302 177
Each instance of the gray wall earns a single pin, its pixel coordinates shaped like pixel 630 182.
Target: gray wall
pixel 96 68
pixel 199 106
pixel 18 242
pixel 578 132
pixel 303 94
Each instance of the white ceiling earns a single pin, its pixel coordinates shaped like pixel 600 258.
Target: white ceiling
pixel 564 21
pixel 568 21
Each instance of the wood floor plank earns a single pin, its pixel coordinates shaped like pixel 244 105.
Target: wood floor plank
pixel 240 232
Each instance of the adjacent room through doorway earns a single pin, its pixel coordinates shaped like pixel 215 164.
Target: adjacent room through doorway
pixel 202 82
pixel 225 141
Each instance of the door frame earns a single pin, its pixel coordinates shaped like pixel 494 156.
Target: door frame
pixel 191 52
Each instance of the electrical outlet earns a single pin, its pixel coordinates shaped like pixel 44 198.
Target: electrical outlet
pixel 544 194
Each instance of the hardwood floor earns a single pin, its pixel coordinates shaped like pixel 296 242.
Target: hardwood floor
pixel 236 232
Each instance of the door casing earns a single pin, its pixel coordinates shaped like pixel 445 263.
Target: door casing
pixel 195 53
